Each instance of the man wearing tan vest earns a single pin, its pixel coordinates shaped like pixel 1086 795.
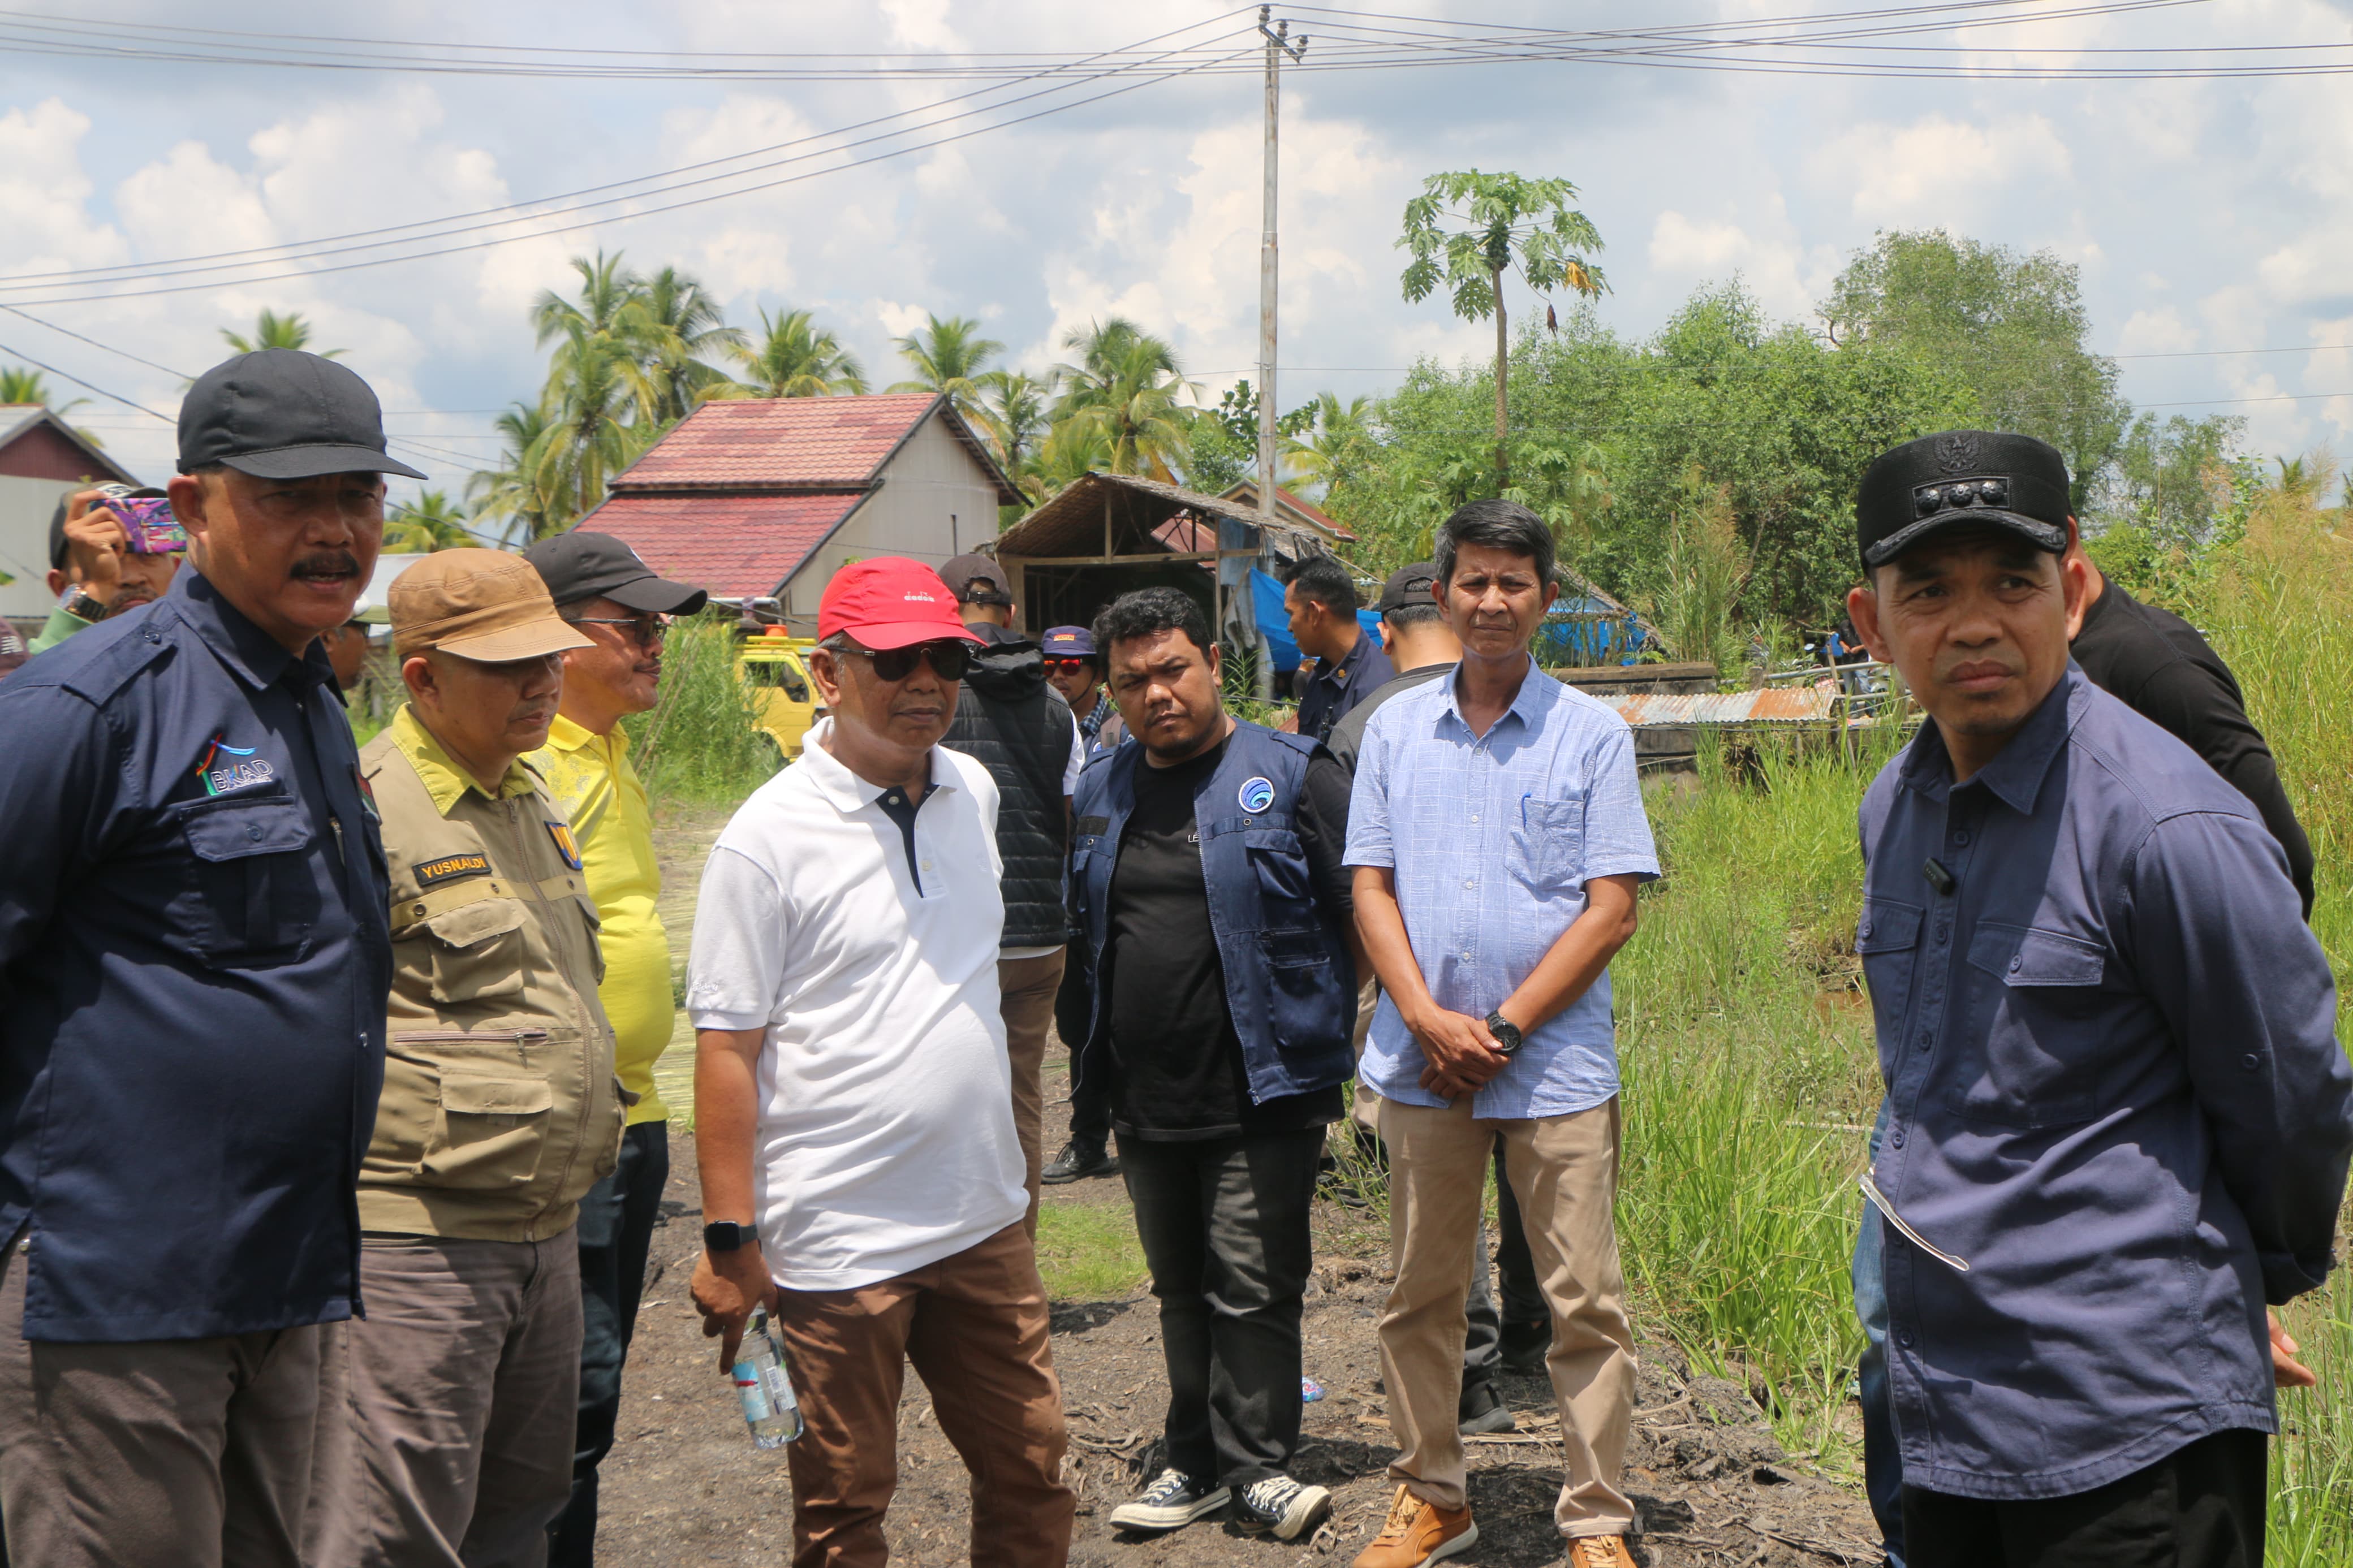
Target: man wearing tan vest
pixel 500 1105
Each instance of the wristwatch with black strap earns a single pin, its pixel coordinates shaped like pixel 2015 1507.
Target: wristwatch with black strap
pixel 1508 1039
pixel 728 1235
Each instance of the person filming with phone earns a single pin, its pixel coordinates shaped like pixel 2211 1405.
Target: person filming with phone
pixel 111 548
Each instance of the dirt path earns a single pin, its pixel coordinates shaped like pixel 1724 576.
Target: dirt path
pixel 684 1485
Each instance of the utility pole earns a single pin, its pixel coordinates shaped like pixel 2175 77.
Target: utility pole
pixel 1279 43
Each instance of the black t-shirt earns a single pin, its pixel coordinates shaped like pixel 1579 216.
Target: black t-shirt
pixel 2156 664
pixel 1176 1063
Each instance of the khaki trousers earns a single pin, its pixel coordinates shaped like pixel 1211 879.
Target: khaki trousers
pixel 975 1326
pixel 1026 987
pixel 1364 1102
pixel 1564 1171
pixel 162 1453
pixel 465 1388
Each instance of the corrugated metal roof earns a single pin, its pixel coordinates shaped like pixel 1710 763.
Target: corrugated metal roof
pixel 802 443
pixel 736 546
pixel 1812 704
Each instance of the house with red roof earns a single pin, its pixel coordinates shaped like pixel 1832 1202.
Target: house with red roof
pixel 767 498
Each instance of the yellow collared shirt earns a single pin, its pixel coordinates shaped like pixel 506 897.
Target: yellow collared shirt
pixel 590 779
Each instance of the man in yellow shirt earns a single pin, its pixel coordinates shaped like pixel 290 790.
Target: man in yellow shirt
pixel 613 598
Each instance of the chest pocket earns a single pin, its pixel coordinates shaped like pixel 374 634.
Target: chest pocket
pixel 2034 999
pixel 1278 863
pixel 258 901
pixel 475 952
pixel 1887 940
pixel 1547 852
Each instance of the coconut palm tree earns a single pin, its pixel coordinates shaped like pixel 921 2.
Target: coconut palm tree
pixel 1069 453
pixel 22 383
pixel 1125 389
pixel 432 522
pixel 949 356
pixel 524 488
pixel 1342 440
pixel 272 331
pixel 676 327
pixel 792 359
pixel 1013 412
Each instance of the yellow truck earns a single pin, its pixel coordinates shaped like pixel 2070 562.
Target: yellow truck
pixel 773 668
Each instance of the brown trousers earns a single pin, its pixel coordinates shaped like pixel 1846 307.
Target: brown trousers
pixel 1026 987
pixel 1564 1171
pixel 162 1453
pixel 975 1326
pixel 465 1387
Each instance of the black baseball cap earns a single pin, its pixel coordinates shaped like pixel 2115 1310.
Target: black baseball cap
pixel 1415 583
pixel 976 580
pixel 282 414
pixel 1976 478
pixel 582 565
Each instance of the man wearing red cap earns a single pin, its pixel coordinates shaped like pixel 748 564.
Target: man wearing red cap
pixel 853 1114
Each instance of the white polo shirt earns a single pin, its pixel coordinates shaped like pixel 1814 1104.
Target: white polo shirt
pixel 885 1137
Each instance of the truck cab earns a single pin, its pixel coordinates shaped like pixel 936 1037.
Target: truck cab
pixel 773 668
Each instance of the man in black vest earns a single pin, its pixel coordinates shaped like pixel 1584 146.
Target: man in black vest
pixel 1020 730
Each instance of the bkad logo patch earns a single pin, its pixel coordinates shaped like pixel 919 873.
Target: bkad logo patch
pixel 1257 795
pixel 224 768
pixel 565 845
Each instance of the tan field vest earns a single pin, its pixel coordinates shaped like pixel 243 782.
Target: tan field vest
pixel 500 1108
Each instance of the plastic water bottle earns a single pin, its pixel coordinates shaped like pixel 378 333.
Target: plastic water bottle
pixel 764 1387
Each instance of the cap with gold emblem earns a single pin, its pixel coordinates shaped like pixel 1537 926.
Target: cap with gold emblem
pixel 481 604
pixel 1975 477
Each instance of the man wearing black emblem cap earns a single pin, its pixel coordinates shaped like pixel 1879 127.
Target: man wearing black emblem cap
pixel 193 963
pixel 2117 1117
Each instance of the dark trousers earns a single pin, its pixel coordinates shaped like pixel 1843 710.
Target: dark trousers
pixel 1523 1300
pixel 616 1231
pixel 2199 1507
pixel 1224 1226
pixel 1073 1006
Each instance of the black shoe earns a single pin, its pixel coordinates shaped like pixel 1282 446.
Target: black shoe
pixel 1524 1347
pixel 1172 1501
pixel 1481 1410
pixel 1281 1507
pixel 1079 1160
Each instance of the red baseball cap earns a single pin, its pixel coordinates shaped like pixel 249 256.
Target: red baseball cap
pixel 888 601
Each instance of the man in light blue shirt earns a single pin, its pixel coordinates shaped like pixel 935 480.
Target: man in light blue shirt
pixel 1497 833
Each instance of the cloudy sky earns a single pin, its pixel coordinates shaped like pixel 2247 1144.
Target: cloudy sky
pixel 2206 215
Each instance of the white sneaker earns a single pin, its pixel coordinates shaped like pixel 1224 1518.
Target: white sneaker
pixel 1283 1508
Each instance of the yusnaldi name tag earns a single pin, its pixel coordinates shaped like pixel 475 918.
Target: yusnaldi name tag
pixel 450 868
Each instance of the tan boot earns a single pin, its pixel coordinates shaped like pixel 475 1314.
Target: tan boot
pixel 1598 1551
pixel 1418 1533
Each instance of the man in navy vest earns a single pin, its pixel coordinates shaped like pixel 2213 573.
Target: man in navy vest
pixel 1208 881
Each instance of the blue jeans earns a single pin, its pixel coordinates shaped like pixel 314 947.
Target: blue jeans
pixel 1883 1464
pixel 616 1233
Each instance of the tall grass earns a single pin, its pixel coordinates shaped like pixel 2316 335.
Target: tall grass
pixel 698 743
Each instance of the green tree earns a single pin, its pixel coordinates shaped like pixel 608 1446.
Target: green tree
pixel 949 356
pixel 1124 394
pixel 22 384
pixel 526 487
pixel 1503 222
pixel 676 328
pixel 272 331
pixel 793 359
pixel 432 522
pixel 2171 480
pixel 1704 572
pixel 2012 327
pixel 1013 411
pixel 1340 439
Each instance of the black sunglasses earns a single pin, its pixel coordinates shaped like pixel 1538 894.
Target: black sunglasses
pixel 948 660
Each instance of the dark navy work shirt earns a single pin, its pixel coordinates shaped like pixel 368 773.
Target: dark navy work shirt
pixel 2115 1093
pixel 1337 688
pixel 193 968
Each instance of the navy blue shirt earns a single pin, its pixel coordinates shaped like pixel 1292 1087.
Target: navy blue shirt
pixel 1337 688
pixel 193 968
pixel 2115 1093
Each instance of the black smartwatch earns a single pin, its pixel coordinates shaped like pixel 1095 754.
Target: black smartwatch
pixel 727 1236
pixel 1508 1039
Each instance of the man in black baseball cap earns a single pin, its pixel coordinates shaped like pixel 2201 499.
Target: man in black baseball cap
pixel 977 580
pixel 613 598
pixel 2072 930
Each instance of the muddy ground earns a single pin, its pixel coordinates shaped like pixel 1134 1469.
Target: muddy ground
pixel 684 1485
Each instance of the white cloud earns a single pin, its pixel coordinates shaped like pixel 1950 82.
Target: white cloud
pixel 1941 172
pixel 2160 331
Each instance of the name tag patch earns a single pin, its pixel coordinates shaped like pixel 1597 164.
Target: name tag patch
pixel 450 868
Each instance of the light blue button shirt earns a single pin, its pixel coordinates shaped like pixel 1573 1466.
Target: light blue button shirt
pixel 1491 839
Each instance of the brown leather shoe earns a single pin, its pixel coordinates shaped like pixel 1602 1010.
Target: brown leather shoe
pixel 1598 1551
pixel 1418 1533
